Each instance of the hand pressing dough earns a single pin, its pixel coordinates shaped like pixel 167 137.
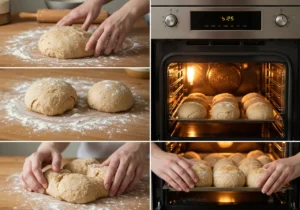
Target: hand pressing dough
pixel 65 42
pixel 229 176
pixel 75 187
pixel 192 110
pixel 260 111
pixel 110 96
pixel 224 162
pixel 225 111
pixel 254 176
pixel 204 173
pixel 237 157
pixel 50 97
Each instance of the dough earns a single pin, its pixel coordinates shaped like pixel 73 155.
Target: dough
pixel 204 173
pixel 80 166
pixel 199 100
pixel 50 96
pixel 229 176
pixel 264 159
pixel 110 96
pixel 254 176
pixel 225 111
pixel 222 95
pixel 224 162
pixel 192 110
pixel 249 96
pixel 65 42
pixel 213 158
pixel 237 157
pixel 191 155
pixel 254 100
pixel 260 111
pixel 255 154
pixel 198 95
pixel 226 99
pixel 246 160
pixel 246 167
pixel 75 187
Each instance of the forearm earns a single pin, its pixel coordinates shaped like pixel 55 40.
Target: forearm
pixel 58 146
pixel 136 8
pixel 137 146
pixel 155 150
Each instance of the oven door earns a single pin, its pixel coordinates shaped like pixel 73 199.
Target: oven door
pixel 265 66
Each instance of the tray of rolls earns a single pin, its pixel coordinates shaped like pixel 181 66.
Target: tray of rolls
pixel 224 107
pixel 228 171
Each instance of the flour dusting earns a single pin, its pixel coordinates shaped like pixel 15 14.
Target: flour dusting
pixel 138 198
pixel 24 46
pixel 81 119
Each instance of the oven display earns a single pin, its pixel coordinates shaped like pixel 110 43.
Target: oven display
pixel 225 20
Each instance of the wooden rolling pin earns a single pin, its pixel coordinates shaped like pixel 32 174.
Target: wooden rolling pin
pixel 53 16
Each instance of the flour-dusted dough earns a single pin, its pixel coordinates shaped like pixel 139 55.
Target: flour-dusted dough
pixel 65 42
pixel 198 95
pixel 246 167
pixel 204 173
pixel 249 96
pixel 199 100
pixel 192 110
pixel 229 176
pixel 74 187
pixel 222 95
pixel 110 96
pixel 191 155
pixel 224 162
pixel 255 154
pixel 253 177
pixel 264 159
pixel 237 157
pixel 50 96
pixel 213 158
pixel 260 111
pixel 254 100
pixel 225 111
pixel 226 99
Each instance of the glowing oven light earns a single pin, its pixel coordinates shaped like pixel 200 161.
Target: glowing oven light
pixel 192 132
pixel 225 144
pixel 225 199
pixel 190 74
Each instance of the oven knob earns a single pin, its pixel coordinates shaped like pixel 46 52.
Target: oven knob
pixel 281 20
pixel 171 20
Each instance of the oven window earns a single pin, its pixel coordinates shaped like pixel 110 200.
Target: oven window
pixel 260 116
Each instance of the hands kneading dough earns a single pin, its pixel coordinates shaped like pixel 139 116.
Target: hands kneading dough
pixel 81 181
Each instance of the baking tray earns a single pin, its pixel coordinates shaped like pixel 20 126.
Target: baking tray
pixel 243 118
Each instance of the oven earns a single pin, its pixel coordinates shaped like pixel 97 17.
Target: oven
pixel 214 47
pixel 165 198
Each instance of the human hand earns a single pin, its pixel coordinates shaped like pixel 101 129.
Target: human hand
pixel 279 173
pixel 89 11
pixel 176 171
pixel 125 168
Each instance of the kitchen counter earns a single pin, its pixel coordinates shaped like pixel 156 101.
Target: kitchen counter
pixel 13 196
pixel 82 123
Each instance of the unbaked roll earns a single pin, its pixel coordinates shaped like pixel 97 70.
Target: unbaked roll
pixel 213 158
pixel 237 157
pixel 192 110
pixel 222 95
pixel 226 99
pixel 255 154
pixel 253 177
pixel 254 100
pixel 224 162
pixel 246 167
pixel 204 173
pixel 260 111
pixel 191 155
pixel 229 176
pixel 245 160
pixel 198 95
pixel 199 100
pixel 249 96
pixel 225 111
pixel 264 159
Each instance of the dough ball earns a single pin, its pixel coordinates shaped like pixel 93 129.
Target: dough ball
pixel 80 166
pixel 237 157
pixel 213 158
pixel 224 162
pixel 50 97
pixel 110 96
pixel 253 177
pixel 192 110
pixel 191 155
pixel 229 176
pixel 65 42
pixel 204 173
pixel 249 96
pixel 246 167
pixel 226 99
pixel 254 100
pixel 264 159
pixel 222 95
pixel 225 111
pixel 246 160
pixel 260 111
pixel 198 95
pixel 198 100
pixel 255 154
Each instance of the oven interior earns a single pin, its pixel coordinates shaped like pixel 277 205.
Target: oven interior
pixel 214 197
pixel 239 79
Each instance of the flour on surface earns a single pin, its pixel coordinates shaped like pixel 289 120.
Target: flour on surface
pixel 25 47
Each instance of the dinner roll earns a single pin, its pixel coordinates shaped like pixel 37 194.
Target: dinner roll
pixel 222 95
pixel 245 160
pixel 198 95
pixel 213 158
pixel 225 111
pixel 192 110
pixel 255 154
pixel 253 100
pixel 237 157
pixel 191 155
pixel 260 111
pixel 224 162
pixel 199 100
pixel 229 176
pixel 253 177
pixel 204 173
pixel 226 99
pixel 264 159
pixel 246 167
pixel 249 96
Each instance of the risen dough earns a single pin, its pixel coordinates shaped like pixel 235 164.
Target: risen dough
pixel 80 166
pixel 191 155
pixel 50 96
pixel 254 176
pixel 222 95
pixel 198 95
pixel 192 110
pixel 260 111
pixel 213 158
pixel 246 167
pixel 110 96
pixel 237 157
pixel 254 100
pixel 204 173
pixel 199 100
pixel 255 154
pixel 224 162
pixel 65 42
pixel 249 96
pixel 225 111
pixel 264 159
pixel 229 176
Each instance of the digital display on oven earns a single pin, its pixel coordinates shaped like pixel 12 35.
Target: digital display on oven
pixel 225 20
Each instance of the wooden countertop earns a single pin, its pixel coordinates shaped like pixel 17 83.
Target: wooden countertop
pixel 136 126
pixel 132 58
pixel 12 195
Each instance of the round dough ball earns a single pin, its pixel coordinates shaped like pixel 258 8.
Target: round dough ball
pixel 222 95
pixel 246 167
pixel 237 157
pixel 50 97
pixel 246 160
pixel 260 111
pixel 65 42
pixel 226 99
pixel 198 100
pixel 213 158
pixel 80 166
pixel 110 96
pixel 192 110
pixel 204 173
pixel 249 96
pixel 225 111
pixel 255 154
pixel 264 159
pixel 224 162
pixel 229 176
pixel 198 95
pixel 191 155
pixel 254 100
pixel 253 177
